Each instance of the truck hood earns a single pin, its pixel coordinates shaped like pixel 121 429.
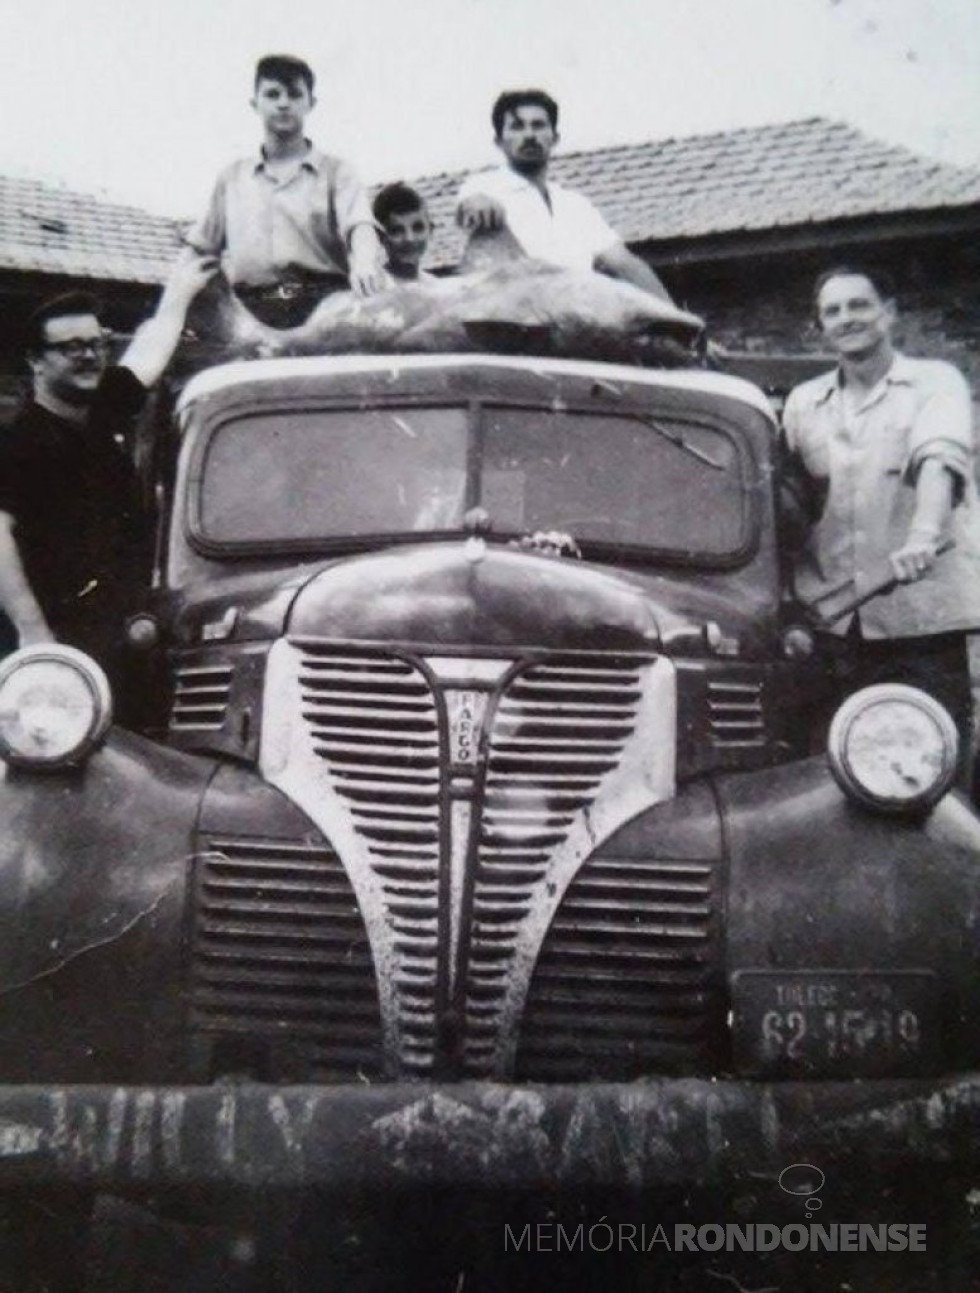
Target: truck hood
pixel 477 593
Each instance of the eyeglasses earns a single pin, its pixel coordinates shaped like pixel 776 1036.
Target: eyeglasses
pixel 76 347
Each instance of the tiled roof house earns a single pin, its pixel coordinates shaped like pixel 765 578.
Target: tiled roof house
pixel 737 222
pixel 737 191
pixel 684 199
pixel 49 230
pixel 53 240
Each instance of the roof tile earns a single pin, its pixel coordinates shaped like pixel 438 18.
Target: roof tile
pixel 763 177
pixel 55 231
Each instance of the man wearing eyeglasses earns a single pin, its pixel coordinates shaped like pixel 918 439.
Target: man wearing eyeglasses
pixel 71 533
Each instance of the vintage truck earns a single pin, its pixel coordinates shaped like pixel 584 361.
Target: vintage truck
pixel 480 832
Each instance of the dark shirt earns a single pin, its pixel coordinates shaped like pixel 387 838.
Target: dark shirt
pixel 72 492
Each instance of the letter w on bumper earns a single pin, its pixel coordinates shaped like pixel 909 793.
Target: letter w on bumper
pixel 658 1133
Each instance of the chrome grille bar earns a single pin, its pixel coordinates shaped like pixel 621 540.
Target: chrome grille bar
pixel 372 721
pixel 538 784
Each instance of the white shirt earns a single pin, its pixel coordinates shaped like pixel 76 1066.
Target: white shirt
pixel 868 455
pixel 570 233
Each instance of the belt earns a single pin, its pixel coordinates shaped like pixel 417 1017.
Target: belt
pixel 292 288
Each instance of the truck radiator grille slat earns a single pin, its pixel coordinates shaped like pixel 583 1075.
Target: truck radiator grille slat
pixel 201 697
pixel 736 716
pixel 280 955
pixel 624 986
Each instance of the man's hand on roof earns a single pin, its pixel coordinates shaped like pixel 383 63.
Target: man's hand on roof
pixel 480 214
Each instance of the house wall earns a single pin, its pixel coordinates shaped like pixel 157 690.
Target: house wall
pixel 761 303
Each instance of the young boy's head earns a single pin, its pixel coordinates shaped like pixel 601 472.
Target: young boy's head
pixel 283 94
pixel 406 227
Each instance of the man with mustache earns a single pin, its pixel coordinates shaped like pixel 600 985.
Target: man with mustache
pixel 72 551
pixel 883 449
pixel 550 223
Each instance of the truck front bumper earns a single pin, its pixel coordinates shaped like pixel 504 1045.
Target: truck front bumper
pixel 642 1135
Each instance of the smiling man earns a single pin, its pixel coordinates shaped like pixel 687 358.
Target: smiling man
pixel 884 443
pixel 71 533
pixel 550 223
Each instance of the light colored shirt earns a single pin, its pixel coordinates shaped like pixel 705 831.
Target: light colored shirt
pixel 570 233
pixel 868 455
pixel 269 225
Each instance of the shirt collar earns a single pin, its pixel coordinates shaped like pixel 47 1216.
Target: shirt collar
pixel 520 182
pixel 313 160
pixel 900 373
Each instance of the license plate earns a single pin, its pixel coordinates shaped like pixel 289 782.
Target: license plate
pixel 836 1023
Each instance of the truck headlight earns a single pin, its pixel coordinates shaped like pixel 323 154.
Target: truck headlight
pixel 55 706
pixel 893 748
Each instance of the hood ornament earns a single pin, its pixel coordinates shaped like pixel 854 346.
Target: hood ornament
pixel 550 543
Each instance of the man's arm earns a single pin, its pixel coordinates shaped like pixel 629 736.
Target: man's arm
pixel 477 209
pixel 940 460
pixel 366 270
pixel 355 221
pixel 17 599
pixel 619 262
pixel 934 491
pixel 155 341
pixel 208 236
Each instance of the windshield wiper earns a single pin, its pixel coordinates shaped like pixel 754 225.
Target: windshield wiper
pixel 677 439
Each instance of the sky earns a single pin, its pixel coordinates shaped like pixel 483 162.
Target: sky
pixel 144 100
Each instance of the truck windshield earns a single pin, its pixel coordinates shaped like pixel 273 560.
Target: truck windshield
pixel 299 478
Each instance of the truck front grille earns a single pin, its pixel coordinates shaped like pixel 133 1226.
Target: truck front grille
pixel 460 844
pixel 280 955
pixel 627 981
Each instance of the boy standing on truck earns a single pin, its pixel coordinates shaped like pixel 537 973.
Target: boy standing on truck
pixel 292 224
